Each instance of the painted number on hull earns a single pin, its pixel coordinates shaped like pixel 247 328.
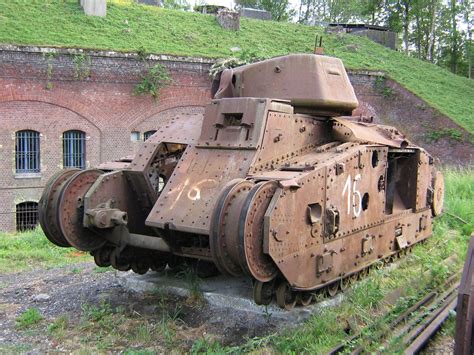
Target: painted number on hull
pixel 354 198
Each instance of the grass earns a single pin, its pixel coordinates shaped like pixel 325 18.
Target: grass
pixel 31 250
pixel 28 318
pixel 135 27
pixel 104 327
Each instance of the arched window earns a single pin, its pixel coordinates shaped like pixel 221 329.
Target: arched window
pixel 74 149
pixel 27 151
pixel 26 216
pixel 148 134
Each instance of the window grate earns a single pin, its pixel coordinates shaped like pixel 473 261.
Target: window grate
pixel 148 134
pixel 74 149
pixel 26 216
pixel 27 152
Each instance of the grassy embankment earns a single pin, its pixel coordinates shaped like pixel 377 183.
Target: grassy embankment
pixel 132 27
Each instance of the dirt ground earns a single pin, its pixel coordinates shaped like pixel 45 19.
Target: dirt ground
pixel 84 308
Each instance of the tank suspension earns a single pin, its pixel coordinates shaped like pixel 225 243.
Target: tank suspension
pixel 279 290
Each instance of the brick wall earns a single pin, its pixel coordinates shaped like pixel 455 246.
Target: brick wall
pixel 91 92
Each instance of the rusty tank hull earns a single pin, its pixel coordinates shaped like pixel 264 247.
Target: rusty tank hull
pixel 276 181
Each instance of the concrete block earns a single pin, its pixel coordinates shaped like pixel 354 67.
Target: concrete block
pixel 151 2
pixel 255 14
pixel 95 7
pixel 220 292
pixel 229 20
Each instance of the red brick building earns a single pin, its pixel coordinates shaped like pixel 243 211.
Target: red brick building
pixel 61 108
pixel 55 113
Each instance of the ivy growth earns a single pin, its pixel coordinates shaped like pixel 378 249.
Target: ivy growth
pixel 243 57
pixel 156 78
pixel 49 69
pixel 82 66
pixel 382 88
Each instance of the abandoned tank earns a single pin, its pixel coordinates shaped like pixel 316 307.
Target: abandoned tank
pixel 276 181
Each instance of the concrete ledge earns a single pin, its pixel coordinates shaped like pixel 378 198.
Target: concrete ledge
pixel 220 292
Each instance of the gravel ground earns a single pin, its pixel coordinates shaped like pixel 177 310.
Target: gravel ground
pixel 64 291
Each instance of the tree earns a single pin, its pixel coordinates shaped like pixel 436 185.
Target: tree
pixel 280 10
pixel 372 10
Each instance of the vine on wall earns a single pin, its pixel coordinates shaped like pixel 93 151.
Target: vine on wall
pixel 49 69
pixel 82 66
pixel 154 79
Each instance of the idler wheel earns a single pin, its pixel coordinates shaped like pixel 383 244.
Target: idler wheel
pixel 363 273
pixel 140 266
pixel 332 289
pixel 102 257
pixel 352 279
pixel 159 264
pixel 263 292
pixel 285 296
pixel 251 232
pixel 304 298
pixel 438 194
pixel 119 263
pixel 345 283
pixel 48 206
pixel 224 230
pixel 70 213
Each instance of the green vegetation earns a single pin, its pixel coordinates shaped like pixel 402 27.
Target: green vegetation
pixel 193 283
pixel 451 133
pixel 28 318
pixel 31 250
pixel 156 78
pixel 134 27
pixel 59 326
pixel 105 327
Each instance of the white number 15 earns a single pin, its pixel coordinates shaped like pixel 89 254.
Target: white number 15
pixel 354 198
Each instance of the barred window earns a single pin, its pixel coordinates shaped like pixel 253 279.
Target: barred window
pixel 27 151
pixel 26 216
pixel 74 149
pixel 135 136
pixel 148 134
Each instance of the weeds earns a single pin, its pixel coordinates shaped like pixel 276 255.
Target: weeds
pixel 28 318
pixel 82 66
pixel 98 313
pixel 101 270
pixel 206 345
pixel 153 81
pixel 267 314
pixel 452 134
pixel 59 326
pixel 193 283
